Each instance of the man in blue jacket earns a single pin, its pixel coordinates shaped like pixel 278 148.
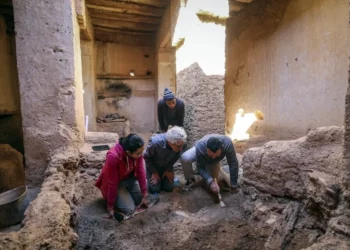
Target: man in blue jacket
pixel 208 153
pixel 162 152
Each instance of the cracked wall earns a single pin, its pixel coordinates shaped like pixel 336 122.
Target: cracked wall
pixel 286 58
pixel 346 149
pixel 50 79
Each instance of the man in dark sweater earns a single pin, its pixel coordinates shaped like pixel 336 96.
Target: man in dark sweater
pixel 207 153
pixel 171 111
pixel 162 152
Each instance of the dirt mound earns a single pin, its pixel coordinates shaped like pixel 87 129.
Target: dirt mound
pixel 307 169
pixel 11 168
pixel 47 221
pixel 308 172
pixel 204 100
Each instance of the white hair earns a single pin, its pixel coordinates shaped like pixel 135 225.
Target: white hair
pixel 176 135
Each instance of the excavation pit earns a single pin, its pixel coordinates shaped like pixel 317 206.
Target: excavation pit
pixel 181 220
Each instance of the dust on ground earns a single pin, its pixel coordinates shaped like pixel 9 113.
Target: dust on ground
pixel 181 220
pixel 194 220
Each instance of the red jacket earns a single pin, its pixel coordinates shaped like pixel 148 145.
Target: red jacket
pixel 118 167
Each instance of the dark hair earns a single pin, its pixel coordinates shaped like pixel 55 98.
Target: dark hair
pixel 131 143
pixel 214 144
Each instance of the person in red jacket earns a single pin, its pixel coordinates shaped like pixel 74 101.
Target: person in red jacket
pixel 123 178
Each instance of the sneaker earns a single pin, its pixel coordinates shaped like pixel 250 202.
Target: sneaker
pixel 195 170
pixel 119 216
pixel 189 184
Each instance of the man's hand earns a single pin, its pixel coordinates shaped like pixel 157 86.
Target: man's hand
pixel 169 175
pixel 214 187
pixel 154 179
pixel 144 202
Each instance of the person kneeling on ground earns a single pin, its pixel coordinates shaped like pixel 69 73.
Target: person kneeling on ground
pixel 123 179
pixel 162 152
pixel 208 153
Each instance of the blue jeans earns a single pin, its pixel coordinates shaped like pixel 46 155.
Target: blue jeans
pixel 190 157
pixel 129 196
pixel 163 184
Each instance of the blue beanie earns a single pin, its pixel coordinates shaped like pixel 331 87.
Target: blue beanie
pixel 168 95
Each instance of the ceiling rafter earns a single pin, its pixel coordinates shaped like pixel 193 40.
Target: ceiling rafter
pixel 154 3
pixel 127 8
pixel 123 17
pixel 102 22
pixel 125 31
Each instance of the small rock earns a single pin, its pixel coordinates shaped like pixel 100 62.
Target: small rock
pixel 263 209
pixel 92 171
pixel 271 220
pixel 254 196
pixel 240 225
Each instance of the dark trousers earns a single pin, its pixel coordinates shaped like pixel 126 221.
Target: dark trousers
pixel 129 196
pixel 164 184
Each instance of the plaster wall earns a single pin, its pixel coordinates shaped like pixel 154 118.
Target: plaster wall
pixel 113 64
pixel 89 76
pixel 50 79
pixel 295 71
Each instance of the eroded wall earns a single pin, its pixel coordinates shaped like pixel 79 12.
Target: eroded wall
pixel 346 146
pixel 50 79
pixel 118 92
pixel 287 59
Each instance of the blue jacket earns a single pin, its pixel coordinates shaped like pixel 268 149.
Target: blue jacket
pixel 159 157
pixel 228 151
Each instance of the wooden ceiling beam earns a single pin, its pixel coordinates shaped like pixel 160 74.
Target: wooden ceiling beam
pixel 154 3
pixel 127 8
pixel 101 22
pixel 123 38
pixel 124 31
pixel 123 17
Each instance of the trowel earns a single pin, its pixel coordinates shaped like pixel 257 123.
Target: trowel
pixel 222 204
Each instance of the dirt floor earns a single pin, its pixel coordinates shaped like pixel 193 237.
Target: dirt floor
pixel 181 220
pixel 185 220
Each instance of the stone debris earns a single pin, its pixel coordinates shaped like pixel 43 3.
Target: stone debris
pixel 307 169
pixel 199 92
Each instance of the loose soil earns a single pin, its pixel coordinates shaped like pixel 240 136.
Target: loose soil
pixel 181 220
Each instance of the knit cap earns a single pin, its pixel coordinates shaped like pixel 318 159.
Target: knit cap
pixel 168 95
